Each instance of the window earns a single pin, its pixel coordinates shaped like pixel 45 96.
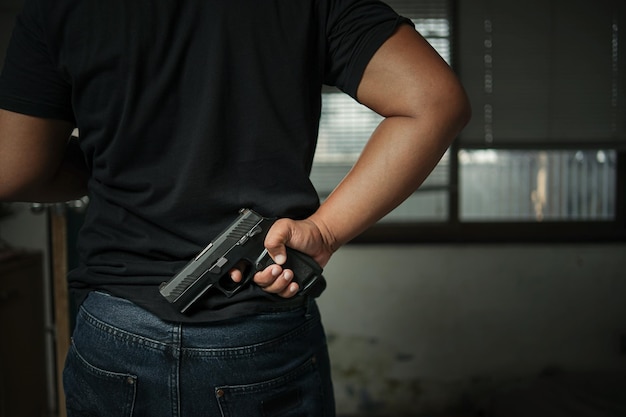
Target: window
pixel 544 155
pixel 537 185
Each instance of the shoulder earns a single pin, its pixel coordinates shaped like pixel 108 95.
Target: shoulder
pixel 355 30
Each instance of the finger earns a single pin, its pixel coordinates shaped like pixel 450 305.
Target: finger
pixel 280 284
pixel 276 239
pixel 283 285
pixel 290 291
pixel 266 277
pixel 236 274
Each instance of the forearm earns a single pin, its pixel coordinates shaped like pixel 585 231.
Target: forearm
pixel 400 155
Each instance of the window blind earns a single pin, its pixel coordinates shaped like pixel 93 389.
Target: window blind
pixel 543 72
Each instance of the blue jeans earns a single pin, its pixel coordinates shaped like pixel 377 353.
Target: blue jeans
pixel 124 361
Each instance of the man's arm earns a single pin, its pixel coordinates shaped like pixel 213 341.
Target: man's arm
pixel 425 107
pixel 34 164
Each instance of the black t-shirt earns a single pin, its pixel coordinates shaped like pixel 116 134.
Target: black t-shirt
pixel 187 111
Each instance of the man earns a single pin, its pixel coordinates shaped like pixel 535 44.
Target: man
pixel 187 112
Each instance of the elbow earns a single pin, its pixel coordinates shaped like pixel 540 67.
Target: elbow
pixel 19 185
pixel 455 104
pixel 465 107
pixel 452 111
pixel 12 191
pixel 16 182
pixel 463 111
pixel 7 186
pixel 440 105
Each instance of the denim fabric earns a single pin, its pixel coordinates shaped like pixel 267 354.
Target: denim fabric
pixel 124 361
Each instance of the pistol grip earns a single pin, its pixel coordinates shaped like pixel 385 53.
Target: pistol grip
pixel 307 273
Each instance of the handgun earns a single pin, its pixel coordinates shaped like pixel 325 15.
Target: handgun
pixel 240 245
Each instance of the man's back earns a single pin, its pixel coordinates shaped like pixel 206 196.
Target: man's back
pixel 187 112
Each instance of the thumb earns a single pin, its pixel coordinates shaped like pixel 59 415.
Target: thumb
pixel 276 240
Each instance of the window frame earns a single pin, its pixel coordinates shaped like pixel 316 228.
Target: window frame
pixel 453 230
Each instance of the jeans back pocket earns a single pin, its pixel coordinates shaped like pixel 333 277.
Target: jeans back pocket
pixel 94 392
pixel 297 393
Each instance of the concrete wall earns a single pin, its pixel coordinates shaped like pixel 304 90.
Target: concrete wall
pixel 428 328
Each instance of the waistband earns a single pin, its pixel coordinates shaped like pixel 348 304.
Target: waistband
pixel 126 320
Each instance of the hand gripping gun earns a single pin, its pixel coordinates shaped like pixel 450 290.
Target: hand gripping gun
pixel 241 243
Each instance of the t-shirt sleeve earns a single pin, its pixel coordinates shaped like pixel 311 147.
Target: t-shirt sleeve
pixel 30 83
pixel 355 31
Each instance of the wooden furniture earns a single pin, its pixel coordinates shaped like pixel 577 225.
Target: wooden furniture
pixel 58 239
pixel 23 390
